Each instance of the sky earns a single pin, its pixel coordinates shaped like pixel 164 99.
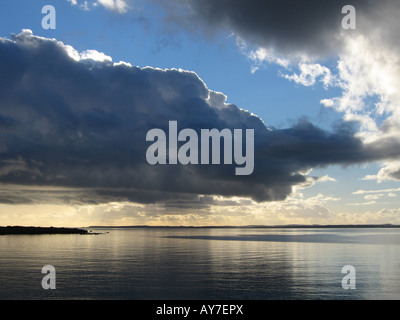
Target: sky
pixel 77 100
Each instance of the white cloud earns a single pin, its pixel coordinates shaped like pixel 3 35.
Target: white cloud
pixel 95 56
pixel 376 191
pixel 310 73
pixel 260 56
pixel 374 196
pixel 362 203
pixel 368 74
pixel 72 52
pixel 119 6
pixel 369 177
pixel 379 196
pixel 83 5
pixel 327 102
pixel 326 178
pixel 389 171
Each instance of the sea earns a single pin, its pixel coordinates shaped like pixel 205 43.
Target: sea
pixel 204 264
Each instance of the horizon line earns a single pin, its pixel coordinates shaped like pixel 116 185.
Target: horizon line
pixel 293 226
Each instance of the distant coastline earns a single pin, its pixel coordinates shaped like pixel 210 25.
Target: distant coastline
pixel 10 230
pixel 314 226
pixel 15 230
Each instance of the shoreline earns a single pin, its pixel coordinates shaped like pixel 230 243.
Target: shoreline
pixel 15 230
pixel 19 230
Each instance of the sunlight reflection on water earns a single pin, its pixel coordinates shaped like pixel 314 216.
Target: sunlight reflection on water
pixel 203 264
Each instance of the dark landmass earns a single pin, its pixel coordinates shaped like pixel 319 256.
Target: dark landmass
pixel 38 230
pixel 10 230
pixel 314 226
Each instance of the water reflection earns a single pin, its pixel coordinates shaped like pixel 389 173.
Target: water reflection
pixel 203 264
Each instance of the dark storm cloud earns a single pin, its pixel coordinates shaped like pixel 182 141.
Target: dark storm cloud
pixel 83 124
pixel 290 26
pixel 394 175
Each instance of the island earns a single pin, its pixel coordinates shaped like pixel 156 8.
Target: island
pixel 40 230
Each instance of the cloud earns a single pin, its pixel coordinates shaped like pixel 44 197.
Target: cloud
pixel 309 27
pixel 298 32
pixel 376 191
pixel 310 73
pixel 79 121
pixel 295 34
pixel 118 6
pixel 367 73
pixel 362 203
pixel 379 196
pixel 390 171
pixel 83 5
pixel 367 70
pixel 302 34
pixel 327 178
pixel 374 196
pixel 206 210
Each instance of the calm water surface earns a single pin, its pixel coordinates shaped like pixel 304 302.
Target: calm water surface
pixel 203 264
